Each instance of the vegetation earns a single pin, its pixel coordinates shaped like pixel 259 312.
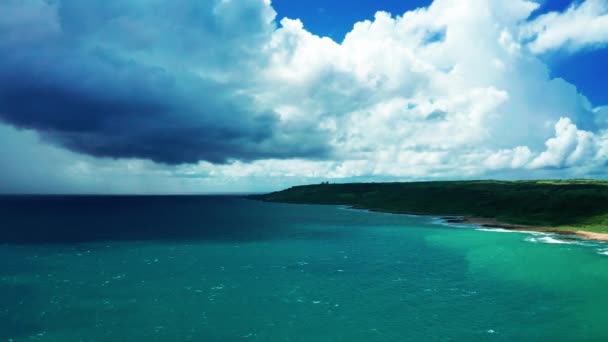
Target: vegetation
pixel 569 204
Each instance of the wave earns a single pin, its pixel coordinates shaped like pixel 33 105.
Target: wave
pixel 602 251
pixel 599 247
pixel 552 240
pixel 501 230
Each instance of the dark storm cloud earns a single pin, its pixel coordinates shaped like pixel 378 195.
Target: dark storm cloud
pixel 112 108
pixel 165 81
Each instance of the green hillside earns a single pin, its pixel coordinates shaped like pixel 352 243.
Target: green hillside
pixel 558 204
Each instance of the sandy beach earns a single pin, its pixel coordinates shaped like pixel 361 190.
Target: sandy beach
pixel 493 223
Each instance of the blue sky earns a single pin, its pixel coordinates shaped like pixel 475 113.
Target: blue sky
pixel 118 96
pixel 335 18
pixel 586 69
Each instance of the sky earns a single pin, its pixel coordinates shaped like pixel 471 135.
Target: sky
pixel 222 96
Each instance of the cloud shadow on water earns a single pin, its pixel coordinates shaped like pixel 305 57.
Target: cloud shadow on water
pixel 32 220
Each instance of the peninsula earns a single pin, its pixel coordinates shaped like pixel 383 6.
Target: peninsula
pixel 559 206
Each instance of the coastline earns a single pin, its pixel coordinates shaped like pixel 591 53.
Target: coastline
pixel 569 207
pixel 487 222
pixel 493 223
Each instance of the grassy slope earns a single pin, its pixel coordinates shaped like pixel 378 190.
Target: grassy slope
pixel 559 204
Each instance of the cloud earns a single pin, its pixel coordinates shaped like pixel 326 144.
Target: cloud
pixel 583 25
pixel 601 116
pixel 509 158
pixel 230 97
pixel 407 107
pixel 29 165
pixel 24 22
pixel 165 81
pixel 571 147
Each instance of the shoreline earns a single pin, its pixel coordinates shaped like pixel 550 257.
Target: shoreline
pixel 576 207
pixel 486 222
pixel 493 223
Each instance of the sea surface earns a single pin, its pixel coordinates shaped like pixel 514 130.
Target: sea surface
pixel 228 269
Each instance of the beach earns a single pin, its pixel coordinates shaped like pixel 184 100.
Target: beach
pixel 493 223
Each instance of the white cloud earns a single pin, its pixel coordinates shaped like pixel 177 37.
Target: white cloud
pixel 510 158
pixel 398 105
pixel 571 147
pixel 582 25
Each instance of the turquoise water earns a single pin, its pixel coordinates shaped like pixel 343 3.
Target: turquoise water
pixel 227 269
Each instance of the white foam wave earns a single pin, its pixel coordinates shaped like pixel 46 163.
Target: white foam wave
pixel 602 251
pixel 499 230
pixel 551 240
pixel 502 230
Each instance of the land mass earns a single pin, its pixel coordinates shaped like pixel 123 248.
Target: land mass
pixel 559 206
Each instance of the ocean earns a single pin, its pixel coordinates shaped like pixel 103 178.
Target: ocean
pixel 222 268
